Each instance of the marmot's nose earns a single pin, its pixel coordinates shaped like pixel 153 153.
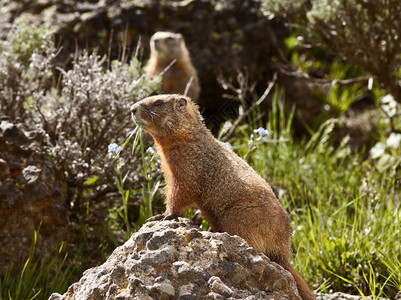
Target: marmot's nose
pixel 134 108
pixel 157 45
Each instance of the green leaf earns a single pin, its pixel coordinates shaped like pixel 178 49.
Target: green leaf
pixel 92 180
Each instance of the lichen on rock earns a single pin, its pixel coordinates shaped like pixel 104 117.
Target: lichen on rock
pixel 175 260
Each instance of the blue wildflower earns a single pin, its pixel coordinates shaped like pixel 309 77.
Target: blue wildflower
pixel 261 131
pixel 228 145
pixel 114 148
pixel 150 151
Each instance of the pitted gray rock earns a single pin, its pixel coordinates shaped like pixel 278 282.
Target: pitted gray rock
pixel 175 260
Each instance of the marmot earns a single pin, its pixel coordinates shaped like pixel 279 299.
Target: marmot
pixel 170 57
pixel 202 170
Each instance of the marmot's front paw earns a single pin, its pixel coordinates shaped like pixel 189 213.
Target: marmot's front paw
pixel 155 218
pixel 165 216
pixel 171 216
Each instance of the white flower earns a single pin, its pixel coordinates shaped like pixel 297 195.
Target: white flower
pixel 389 105
pixel 377 150
pixel 393 141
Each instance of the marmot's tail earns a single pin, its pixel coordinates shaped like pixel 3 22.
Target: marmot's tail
pixel 303 289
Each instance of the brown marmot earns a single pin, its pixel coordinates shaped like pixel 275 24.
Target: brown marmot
pixel 202 170
pixel 169 56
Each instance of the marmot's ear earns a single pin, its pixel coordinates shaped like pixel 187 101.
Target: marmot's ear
pixel 180 103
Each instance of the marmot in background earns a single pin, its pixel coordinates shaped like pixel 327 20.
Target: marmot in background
pixel 165 47
pixel 200 169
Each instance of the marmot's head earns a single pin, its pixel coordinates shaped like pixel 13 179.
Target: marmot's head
pixel 168 116
pixel 168 46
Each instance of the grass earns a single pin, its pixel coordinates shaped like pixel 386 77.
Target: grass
pixel 38 278
pixel 345 212
pixel 148 190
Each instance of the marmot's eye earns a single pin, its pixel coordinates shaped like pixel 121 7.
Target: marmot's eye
pixel 158 103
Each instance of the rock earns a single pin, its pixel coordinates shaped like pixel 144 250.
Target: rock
pixel 4 170
pixel 343 296
pixel 175 260
pixel 361 125
pixel 32 194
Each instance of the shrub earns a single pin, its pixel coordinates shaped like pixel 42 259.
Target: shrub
pixel 354 30
pixel 89 112
pixel 82 110
pixel 25 67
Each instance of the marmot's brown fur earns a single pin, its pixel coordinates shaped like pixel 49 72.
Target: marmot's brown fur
pixel 202 170
pixel 165 47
